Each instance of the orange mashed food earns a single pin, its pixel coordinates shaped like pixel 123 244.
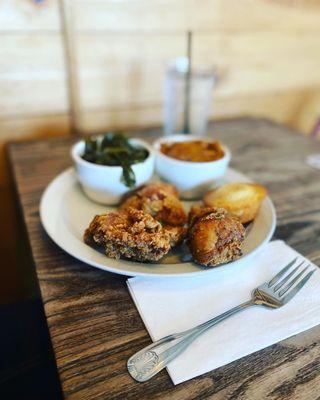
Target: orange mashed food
pixel 194 150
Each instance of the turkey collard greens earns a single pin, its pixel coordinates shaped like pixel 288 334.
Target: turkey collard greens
pixel 115 149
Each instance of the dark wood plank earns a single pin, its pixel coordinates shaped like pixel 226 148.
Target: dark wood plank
pixel 93 323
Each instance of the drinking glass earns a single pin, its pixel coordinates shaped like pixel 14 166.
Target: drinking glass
pixel 202 80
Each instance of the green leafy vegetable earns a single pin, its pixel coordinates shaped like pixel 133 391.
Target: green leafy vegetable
pixel 128 176
pixel 115 149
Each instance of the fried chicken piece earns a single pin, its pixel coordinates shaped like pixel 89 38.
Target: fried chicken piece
pixel 241 199
pixel 197 211
pixel 176 234
pixel 159 200
pixel 132 234
pixel 215 236
pixel 167 187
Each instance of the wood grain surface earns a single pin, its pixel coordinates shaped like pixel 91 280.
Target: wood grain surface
pixel 119 50
pixel 93 323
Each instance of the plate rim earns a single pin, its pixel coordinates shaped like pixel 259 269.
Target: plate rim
pixel 156 275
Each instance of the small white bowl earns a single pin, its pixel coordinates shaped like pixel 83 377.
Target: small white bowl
pixel 102 183
pixel 192 179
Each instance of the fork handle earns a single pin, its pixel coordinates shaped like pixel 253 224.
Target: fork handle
pixel 152 359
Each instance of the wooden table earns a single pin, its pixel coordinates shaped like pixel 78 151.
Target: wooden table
pixel 93 323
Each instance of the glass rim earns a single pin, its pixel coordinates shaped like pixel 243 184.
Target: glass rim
pixel 179 66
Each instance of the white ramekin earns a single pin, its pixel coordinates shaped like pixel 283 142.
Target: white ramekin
pixel 192 179
pixel 102 183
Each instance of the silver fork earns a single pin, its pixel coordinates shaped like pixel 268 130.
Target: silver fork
pixel 274 294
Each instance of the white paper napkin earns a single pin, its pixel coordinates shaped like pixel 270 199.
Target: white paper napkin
pixel 171 305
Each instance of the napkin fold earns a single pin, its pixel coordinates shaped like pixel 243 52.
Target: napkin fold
pixel 169 305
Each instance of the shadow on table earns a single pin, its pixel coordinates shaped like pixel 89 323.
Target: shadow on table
pixel 27 365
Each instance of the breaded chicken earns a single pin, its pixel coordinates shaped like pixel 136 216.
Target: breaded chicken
pixel 241 199
pixel 159 200
pixel 214 236
pixel 197 211
pixel 132 234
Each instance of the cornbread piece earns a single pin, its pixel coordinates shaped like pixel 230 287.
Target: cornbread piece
pixel 241 199
pixel 215 236
pixel 159 200
pixel 132 234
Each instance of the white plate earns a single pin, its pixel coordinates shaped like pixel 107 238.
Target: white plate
pixel 66 212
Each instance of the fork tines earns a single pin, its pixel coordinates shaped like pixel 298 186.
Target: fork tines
pixel 281 283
